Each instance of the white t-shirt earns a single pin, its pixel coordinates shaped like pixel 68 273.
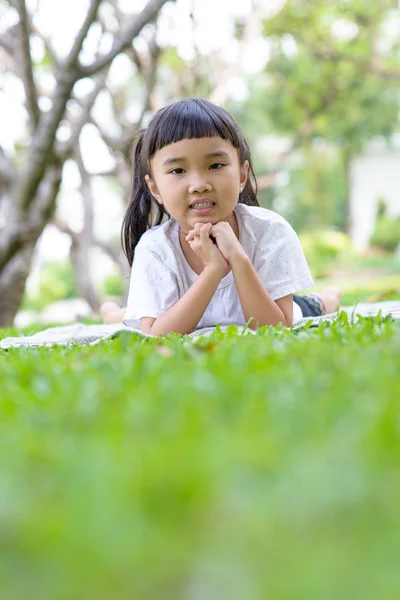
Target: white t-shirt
pixel 161 275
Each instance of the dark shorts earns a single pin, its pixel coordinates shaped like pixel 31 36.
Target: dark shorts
pixel 311 305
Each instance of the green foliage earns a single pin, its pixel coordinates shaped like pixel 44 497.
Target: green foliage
pixel 348 299
pixel 325 84
pixel 323 248
pixel 113 285
pixel 386 234
pixel 318 86
pixel 385 262
pixel 57 282
pixel 165 469
pixel 359 286
pixel 317 192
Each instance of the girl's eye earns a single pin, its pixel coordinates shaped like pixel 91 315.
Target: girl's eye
pixel 216 165
pixel 175 171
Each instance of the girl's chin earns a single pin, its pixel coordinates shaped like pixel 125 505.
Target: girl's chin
pixel 210 218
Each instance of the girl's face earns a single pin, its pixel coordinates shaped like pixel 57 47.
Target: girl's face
pixel 198 180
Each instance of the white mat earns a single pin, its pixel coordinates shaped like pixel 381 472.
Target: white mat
pixel 78 333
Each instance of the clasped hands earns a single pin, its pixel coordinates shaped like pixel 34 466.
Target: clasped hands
pixel 223 251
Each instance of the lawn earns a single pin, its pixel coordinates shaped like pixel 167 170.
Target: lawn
pixel 240 468
pixel 370 278
pixel 362 288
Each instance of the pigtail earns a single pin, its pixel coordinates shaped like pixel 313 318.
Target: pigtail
pixel 143 211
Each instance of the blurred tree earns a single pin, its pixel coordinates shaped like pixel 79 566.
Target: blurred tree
pixel 30 188
pixel 334 74
pixel 314 183
pixel 143 80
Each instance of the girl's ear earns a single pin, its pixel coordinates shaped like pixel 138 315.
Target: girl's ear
pixel 153 188
pixel 244 171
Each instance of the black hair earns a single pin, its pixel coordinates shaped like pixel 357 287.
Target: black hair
pixel 185 119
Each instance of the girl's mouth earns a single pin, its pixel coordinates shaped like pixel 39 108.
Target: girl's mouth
pixel 202 208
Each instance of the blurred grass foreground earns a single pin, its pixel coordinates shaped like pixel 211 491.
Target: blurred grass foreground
pixel 236 467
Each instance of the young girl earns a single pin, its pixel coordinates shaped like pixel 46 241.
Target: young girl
pixel 202 250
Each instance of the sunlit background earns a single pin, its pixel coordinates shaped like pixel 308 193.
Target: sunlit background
pixel 314 87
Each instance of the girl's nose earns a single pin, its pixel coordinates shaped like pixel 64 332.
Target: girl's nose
pixel 199 185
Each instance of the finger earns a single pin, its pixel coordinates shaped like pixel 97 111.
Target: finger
pixel 206 227
pixel 198 226
pixel 216 227
pixel 194 235
pixel 205 233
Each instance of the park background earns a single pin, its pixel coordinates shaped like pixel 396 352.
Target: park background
pixel 314 87
pixel 246 467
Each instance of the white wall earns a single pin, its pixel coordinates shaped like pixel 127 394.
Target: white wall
pixel 373 176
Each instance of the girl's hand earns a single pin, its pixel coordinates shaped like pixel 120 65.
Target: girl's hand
pixel 200 242
pixel 227 241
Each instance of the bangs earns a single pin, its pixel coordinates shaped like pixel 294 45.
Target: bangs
pixel 188 119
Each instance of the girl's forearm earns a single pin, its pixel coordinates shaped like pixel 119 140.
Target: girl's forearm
pixel 256 303
pixel 185 314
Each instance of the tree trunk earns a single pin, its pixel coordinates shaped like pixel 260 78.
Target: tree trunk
pixel 12 284
pixel 30 194
pixel 80 262
pixel 16 270
pixel 346 158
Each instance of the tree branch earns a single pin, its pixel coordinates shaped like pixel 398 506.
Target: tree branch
pixel 26 64
pixel 7 169
pixel 248 31
pixel 72 58
pixel 7 40
pixel 43 140
pixel 28 228
pixel 48 45
pixel 125 36
pixel 41 151
pixel 44 205
pixel 64 228
pixel 65 149
pixel 373 66
pixel 114 143
pixel 109 173
pixel 147 67
pixel 114 251
pixel 87 196
pixel 82 241
pixel 134 56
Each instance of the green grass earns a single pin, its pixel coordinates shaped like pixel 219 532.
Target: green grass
pixel 362 289
pixel 243 468
pixel 351 283
pixel 387 262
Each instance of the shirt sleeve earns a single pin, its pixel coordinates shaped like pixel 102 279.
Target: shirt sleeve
pixel 280 262
pixel 153 288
